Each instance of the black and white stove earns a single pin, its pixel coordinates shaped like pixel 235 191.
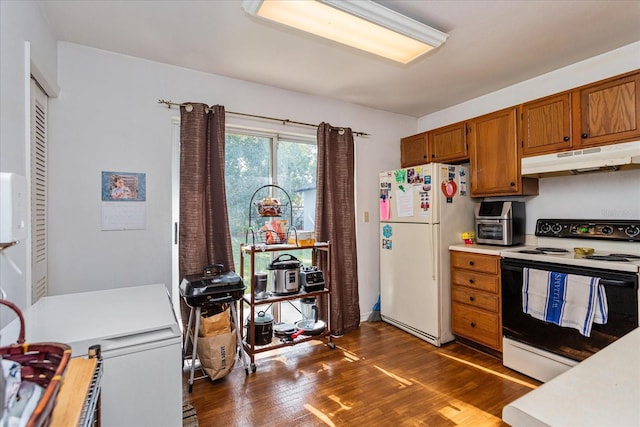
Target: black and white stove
pixel 541 349
pixel 616 244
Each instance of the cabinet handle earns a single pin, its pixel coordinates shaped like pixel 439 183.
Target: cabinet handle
pixel 513 184
pixel 566 138
pixel 473 324
pixel 471 263
pixel 585 135
pixel 472 281
pixel 472 298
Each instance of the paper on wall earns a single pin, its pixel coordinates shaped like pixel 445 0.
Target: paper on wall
pixel 124 216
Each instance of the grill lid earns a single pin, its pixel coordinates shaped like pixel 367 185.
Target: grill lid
pixel 211 282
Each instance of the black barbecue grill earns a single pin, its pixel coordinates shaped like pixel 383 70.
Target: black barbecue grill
pixel 212 287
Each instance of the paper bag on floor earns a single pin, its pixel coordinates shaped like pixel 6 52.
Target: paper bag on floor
pixel 215 324
pixel 217 354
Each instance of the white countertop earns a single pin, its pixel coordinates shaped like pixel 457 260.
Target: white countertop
pixel 603 390
pixel 480 249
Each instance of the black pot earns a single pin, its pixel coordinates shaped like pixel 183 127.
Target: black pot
pixel 263 327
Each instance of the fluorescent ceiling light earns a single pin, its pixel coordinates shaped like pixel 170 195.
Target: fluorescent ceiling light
pixel 362 24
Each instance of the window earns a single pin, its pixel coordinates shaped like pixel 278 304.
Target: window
pixel 253 160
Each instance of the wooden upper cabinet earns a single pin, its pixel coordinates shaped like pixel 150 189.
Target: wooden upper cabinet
pixel 495 157
pixel 449 144
pixel 609 111
pixel 414 150
pixel 546 125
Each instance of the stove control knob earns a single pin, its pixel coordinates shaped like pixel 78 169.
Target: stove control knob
pixel 556 228
pixel 545 227
pixel 632 231
pixel 607 229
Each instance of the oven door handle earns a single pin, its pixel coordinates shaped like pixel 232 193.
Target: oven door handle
pixel 618 283
pixel 606 282
pixel 506 266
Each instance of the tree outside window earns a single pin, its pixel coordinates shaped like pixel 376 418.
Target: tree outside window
pixel 254 160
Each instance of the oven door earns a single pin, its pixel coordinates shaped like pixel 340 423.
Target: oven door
pixel 622 297
pixel 495 232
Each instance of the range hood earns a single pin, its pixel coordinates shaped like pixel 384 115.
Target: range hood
pixel 607 157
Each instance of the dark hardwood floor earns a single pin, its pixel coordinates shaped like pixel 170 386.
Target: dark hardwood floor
pixel 376 375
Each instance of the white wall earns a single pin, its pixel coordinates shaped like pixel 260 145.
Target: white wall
pixel 610 195
pixel 26 46
pixel 107 119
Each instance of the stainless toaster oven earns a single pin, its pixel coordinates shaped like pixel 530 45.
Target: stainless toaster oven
pixel 500 223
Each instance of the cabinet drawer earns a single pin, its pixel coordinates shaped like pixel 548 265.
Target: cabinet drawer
pixel 480 281
pixel 474 298
pixel 476 262
pixel 476 325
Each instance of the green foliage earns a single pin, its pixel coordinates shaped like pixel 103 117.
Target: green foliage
pixel 248 166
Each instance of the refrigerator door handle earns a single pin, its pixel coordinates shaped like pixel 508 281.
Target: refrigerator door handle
pixel 434 253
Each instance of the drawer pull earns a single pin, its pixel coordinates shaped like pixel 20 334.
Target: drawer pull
pixel 472 281
pixel 473 324
pixel 471 263
pixel 472 298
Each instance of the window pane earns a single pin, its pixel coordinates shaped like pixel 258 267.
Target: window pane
pixel 247 168
pixel 297 163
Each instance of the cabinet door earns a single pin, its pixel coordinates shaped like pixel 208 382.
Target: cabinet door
pixel 610 111
pixel 413 150
pixel 448 144
pixel 495 162
pixel 546 125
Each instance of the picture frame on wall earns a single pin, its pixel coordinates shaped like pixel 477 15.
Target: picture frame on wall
pixel 123 187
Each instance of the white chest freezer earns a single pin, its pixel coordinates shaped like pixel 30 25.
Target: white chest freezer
pixel 141 348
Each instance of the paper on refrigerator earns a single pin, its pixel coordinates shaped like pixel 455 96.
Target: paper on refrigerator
pixel 404 203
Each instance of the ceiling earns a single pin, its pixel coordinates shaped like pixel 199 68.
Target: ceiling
pixel 491 45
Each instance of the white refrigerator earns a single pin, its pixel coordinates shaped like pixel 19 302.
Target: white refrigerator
pixel 423 210
pixel 141 348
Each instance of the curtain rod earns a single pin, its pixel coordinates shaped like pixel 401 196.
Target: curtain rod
pixel 283 121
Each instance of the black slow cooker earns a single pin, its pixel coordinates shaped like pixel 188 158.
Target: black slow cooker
pixel 263 328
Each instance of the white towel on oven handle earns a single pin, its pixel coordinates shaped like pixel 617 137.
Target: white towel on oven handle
pixel 568 300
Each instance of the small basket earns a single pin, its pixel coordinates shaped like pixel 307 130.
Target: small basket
pixel 270 237
pixel 41 363
pixel 273 209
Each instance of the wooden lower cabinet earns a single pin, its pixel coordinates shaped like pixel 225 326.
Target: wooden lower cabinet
pixel 475 298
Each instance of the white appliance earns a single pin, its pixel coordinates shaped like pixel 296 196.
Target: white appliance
pixel 607 157
pixel 141 348
pixel 14 200
pixel 423 210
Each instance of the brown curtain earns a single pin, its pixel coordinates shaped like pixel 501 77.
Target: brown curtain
pixel 204 224
pixel 336 222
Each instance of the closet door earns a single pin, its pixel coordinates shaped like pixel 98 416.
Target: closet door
pixel 38 192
